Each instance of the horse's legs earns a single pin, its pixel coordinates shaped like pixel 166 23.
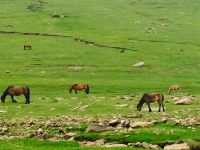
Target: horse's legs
pixel 76 91
pixel 27 99
pixel 159 107
pixel 13 101
pixel 149 107
pixel 163 107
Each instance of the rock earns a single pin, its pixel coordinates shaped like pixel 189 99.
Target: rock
pixel 139 64
pixel 182 146
pixel 94 128
pixel 175 98
pixel 4 129
pixel 40 131
pixel 75 68
pixel 3 111
pixel 48 123
pixel 125 123
pixel 183 100
pixel 144 145
pixel 107 145
pixel 138 115
pixel 149 146
pixel 121 105
pixel 43 136
pixel 114 123
pixel 187 121
pixel 90 144
pixel 97 143
pixel 53 139
pixel 163 120
pixel 100 142
pixel 71 134
pixel 58 99
pixel 140 124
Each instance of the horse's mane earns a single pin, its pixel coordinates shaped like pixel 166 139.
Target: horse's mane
pixel 142 100
pixel 5 93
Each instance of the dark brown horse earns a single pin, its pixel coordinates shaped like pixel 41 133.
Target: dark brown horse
pixel 16 91
pixel 79 86
pixel 27 47
pixel 151 98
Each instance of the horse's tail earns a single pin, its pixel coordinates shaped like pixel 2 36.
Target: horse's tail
pixel 28 93
pixel 87 89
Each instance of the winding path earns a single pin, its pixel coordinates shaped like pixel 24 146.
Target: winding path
pixel 66 36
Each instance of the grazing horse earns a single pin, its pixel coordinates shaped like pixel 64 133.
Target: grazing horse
pixel 151 98
pixel 175 87
pixel 27 47
pixel 16 91
pixel 80 86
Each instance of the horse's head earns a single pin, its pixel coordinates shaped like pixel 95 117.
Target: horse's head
pixel 139 107
pixel 141 102
pixel 70 90
pixel 3 99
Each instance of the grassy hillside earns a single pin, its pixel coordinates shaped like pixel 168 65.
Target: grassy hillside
pixel 162 34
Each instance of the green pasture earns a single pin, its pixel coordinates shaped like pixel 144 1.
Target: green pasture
pixel 164 34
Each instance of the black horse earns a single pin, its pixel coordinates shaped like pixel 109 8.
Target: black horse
pixel 16 91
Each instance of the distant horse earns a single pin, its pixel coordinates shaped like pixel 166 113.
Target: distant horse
pixel 27 47
pixel 80 86
pixel 151 98
pixel 16 91
pixel 175 87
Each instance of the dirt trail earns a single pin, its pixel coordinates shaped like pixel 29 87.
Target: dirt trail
pixel 77 39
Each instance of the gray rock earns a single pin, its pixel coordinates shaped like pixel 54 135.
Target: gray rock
pixel 107 145
pixel 114 123
pixel 140 124
pixel 139 64
pixel 182 146
pixel 95 128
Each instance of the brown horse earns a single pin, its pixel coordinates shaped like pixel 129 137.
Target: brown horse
pixel 27 47
pixel 16 91
pixel 80 86
pixel 151 98
pixel 175 87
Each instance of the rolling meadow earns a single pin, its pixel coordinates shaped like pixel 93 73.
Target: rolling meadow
pixel 97 42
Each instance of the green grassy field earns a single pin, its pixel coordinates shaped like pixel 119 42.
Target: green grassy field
pixel 162 34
